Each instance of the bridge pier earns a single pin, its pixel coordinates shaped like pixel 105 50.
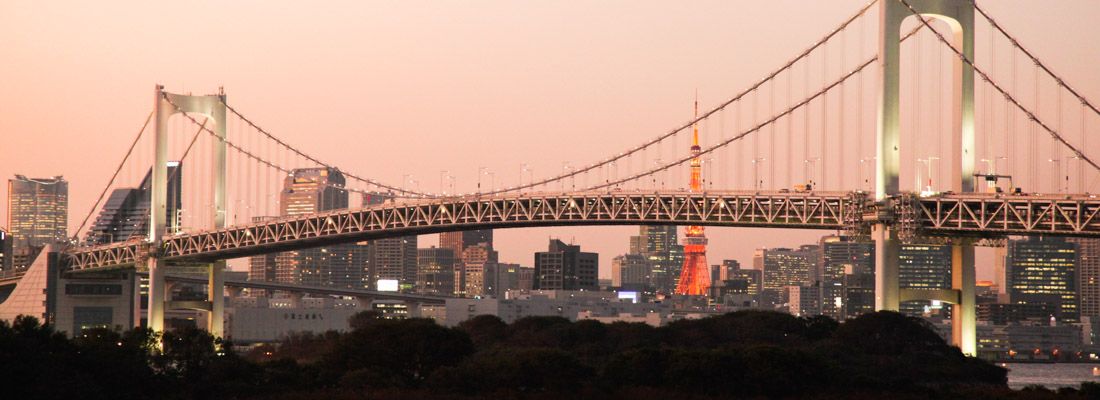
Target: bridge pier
pixel 157 294
pixel 887 248
pixel 215 293
pixel 964 317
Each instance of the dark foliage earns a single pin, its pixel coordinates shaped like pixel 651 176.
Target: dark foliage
pixel 738 355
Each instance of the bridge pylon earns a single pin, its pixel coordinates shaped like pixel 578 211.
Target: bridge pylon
pixel 959 16
pixel 213 108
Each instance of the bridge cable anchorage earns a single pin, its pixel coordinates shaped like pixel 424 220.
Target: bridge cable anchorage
pixel 413 194
pixel 1015 43
pixel 788 111
pixel 705 115
pixel 76 234
pixel 1007 96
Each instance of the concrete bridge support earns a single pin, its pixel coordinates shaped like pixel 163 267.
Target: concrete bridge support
pixel 211 107
pixel 959 16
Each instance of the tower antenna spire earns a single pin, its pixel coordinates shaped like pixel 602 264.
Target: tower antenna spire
pixel 695 126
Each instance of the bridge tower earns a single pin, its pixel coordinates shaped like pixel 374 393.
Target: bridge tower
pixel 211 107
pixel 959 16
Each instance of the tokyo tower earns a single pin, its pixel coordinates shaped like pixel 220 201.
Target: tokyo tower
pixel 695 275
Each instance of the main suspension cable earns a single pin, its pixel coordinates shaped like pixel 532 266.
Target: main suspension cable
pixel 1008 96
pixel 76 234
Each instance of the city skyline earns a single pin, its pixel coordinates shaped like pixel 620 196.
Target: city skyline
pixel 625 113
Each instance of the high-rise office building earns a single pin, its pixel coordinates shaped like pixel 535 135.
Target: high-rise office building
pixel 526 278
pixel 727 269
pixel 566 267
pixel 1088 274
pixel 923 266
pixel 38 211
pixel 394 258
pixel 459 241
pixel 660 245
pixel 312 190
pixel 390 258
pixel 435 271
pixel 501 277
pixel 1044 270
pixel 784 267
pixel 475 260
pixel 630 272
pixel 126 213
pixel 841 257
pixel 261 267
pixel 6 241
pixel 803 300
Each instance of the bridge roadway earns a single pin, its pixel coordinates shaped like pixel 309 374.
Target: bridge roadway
pixel 945 215
pixel 307 289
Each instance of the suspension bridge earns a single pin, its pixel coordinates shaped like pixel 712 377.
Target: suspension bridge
pixel 819 143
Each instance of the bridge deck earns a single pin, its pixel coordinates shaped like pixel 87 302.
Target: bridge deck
pixel 984 215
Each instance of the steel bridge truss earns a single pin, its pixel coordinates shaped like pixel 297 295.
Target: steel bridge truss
pixel 977 216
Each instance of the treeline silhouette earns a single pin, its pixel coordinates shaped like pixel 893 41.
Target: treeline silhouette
pixel 748 354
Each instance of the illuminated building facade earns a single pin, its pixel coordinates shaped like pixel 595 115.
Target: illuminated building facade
pixel 1044 270
pixel 784 267
pixel 38 211
pixel 312 190
pixel 843 262
pixel 1088 274
pixel 435 270
pixel 924 266
pixel 475 261
pixel 659 245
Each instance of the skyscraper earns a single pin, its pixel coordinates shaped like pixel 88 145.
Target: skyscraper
pixel 307 191
pixel 784 267
pixel 5 253
pixel 435 271
pixel 695 275
pixel 459 241
pixel 311 190
pixel 394 258
pixel 475 261
pixel 841 257
pixel 502 277
pixel 38 211
pixel 1088 274
pixel 630 272
pixel 1044 270
pixel 923 266
pixel 565 267
pixel 659 245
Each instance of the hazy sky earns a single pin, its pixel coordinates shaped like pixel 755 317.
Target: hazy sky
pixel 392 88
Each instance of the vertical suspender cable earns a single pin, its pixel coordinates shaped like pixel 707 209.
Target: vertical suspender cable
pixel 824 166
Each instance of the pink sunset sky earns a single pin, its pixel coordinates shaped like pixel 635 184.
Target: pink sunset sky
pixel 386 89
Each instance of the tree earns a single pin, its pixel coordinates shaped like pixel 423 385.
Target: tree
pixel 484 330
pixel 399 353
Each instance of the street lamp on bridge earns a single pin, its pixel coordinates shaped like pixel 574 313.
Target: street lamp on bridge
pixel 756 172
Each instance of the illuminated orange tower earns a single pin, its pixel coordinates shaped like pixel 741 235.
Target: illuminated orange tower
pixel 695 275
